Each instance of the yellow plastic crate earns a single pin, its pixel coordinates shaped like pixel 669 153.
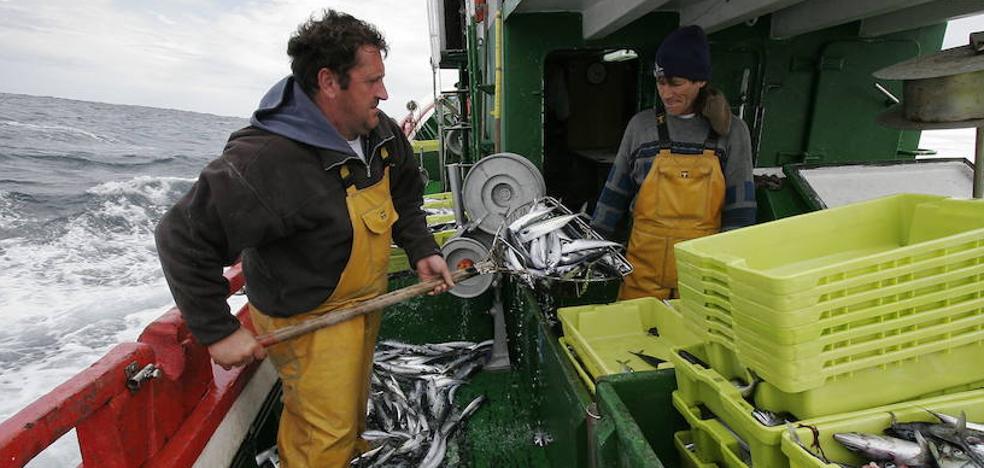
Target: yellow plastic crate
pixel 819 298
pixel 717 443
pixel 833 253
pixel 697 385
pixel 689 458
pixel 875 421
pixel 711 327
pixel 568 351
pixel 916 378
pixel 603 335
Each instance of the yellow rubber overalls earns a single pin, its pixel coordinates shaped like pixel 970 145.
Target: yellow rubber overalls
pixel 681 198
pixel 325 374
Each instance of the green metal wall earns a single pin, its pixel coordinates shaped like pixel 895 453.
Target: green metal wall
pixel 816 90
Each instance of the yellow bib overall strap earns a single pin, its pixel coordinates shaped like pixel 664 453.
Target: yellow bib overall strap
pixel 681 198
pixel 326 374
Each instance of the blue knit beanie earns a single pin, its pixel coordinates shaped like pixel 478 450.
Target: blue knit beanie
pixel 685 54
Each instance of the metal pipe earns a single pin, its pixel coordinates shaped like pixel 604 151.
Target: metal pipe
pixel 454 186
pixel 888 94
pixel 979 164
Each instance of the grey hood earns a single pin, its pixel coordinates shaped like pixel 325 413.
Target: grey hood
pixel 287 111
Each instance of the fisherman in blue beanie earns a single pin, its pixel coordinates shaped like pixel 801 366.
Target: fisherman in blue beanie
pixel 684 169
pixel 685 54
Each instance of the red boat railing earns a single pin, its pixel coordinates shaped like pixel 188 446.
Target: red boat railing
pixel 162 421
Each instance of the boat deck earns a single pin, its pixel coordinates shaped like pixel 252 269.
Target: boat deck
pixel 500 433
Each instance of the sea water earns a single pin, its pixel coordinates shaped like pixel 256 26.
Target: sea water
pixel 82 186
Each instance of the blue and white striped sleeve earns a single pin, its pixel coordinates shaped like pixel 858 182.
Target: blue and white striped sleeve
pixel 740 207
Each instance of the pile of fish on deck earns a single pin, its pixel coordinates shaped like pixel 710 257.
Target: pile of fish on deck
pixel 545 240
pixel 411 412
pixel 951 443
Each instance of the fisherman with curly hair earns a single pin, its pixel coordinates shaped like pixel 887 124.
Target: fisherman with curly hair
pixel 311 195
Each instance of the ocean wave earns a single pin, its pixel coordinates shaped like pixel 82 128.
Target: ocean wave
pixel 53 130
pixel 83 159
pixel 157 190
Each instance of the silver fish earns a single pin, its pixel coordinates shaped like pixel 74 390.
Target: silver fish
pixel 368 455
pixel 554 250
pixel 970 441
pixel 953 421
pixel 535 214
pixel 884 448
pixel 383 457
pixel 543 227
pixel 537 258
pixel 579 245
pixel 625 366
pixel 268 458
pixel 435 454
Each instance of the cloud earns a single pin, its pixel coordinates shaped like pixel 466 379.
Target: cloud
pixel 217 56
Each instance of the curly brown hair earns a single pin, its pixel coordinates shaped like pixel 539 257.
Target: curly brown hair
pixel 331 41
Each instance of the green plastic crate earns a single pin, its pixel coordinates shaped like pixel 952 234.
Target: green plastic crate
pixel 875 421
pixel 943 328
pixel 689 458
pixel 865 287
pixel 940 271
pixel 898 312
pixel 568 351
pixel 717 336
pixel 701 386
pixel 830 252
pixel 918 379
pixel 715 442
pixel 603 335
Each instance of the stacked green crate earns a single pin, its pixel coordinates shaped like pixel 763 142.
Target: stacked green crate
pixel 825 306
pixel 706 302
pixel 722 426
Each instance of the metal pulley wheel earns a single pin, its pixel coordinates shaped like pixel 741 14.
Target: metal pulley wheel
pixel 463 252
pixel 496 185
pixel 940 90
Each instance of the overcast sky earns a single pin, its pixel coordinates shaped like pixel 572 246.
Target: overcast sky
pixel 216 56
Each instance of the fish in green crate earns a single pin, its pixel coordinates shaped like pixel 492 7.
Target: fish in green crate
pixel 651 360
pixel 954 421
pixel 957 433
pixel 883 448
pixel 950 443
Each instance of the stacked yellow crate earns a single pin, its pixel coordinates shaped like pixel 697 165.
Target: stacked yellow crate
pixel 835 311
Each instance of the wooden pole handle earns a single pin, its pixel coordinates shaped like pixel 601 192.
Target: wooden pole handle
pixel 365 307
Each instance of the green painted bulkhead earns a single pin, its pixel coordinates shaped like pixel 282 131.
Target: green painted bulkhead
pixel 808 99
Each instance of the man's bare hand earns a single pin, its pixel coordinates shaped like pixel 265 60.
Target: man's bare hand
pixel 237 349
pixel 434 267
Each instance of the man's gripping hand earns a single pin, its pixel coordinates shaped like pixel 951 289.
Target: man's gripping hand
pixel 238 349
